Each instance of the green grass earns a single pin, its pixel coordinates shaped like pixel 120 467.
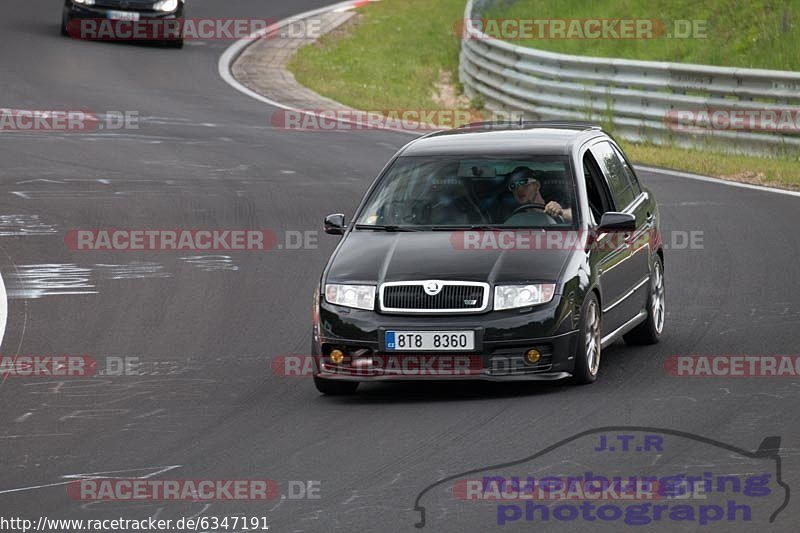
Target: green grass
pixel 779 172
pixel 391 60
pixel 739 33
pixel 393 57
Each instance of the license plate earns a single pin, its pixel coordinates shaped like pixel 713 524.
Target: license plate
pixel 446 341
pixel 122 15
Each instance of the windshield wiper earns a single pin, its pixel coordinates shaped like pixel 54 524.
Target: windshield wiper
pixel 484 227
pixel 388 227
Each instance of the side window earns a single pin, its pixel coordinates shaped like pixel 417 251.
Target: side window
pixel 637 189
pixel 596 189
pixel 614 171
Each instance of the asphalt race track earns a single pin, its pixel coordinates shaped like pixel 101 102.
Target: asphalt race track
pixel 205 327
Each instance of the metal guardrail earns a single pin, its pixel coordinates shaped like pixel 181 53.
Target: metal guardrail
pixel 640 99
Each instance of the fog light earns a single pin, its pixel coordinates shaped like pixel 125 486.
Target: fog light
pixel 533 356
pixel 337 356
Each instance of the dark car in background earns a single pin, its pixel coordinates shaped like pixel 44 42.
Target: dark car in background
pixel 523 248
pixel 157 17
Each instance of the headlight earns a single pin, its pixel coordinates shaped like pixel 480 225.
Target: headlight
pixel 358 296
pixel 84 2
pixel 513 296
pixel 166 5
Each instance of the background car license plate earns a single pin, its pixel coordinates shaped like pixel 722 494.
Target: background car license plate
pixel 430 340
pixel 122 15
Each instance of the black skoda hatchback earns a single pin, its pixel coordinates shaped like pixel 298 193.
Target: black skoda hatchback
pixel 493 252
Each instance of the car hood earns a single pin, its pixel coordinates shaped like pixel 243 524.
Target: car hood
pixel 369 257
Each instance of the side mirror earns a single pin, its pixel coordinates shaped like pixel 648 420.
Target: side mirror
pixel 334 224
pixel 616 222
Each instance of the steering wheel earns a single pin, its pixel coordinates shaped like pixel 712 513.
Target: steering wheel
pixel 524 207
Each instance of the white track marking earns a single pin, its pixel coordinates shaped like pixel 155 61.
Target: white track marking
pixel 23 417
pixel 104 475
pixel 95 475
pixel 718 181
pixel 35 435
pixel 3 309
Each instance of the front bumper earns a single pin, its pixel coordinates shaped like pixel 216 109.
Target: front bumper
pixel 91 23
pixel 77 11
pixel 502 339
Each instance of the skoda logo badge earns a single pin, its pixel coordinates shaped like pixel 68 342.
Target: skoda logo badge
pixel 432 288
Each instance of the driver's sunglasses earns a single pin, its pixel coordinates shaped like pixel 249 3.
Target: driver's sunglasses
pixel 520 183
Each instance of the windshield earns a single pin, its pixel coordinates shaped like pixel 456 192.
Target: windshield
pixel 457 192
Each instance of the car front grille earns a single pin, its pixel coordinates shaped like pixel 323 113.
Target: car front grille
pixel 453 297
pixel 133 5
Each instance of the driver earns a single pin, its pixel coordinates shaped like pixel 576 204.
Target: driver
pixel 526 189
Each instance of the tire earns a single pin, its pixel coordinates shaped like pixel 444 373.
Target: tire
pixel 64 25
pixel 587 359
pixel 649 331
pixel 335 388
pixel 174 43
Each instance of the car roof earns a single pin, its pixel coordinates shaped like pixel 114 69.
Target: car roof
pixel 505 138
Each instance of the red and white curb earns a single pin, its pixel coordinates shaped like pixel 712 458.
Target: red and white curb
pixel 354 5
